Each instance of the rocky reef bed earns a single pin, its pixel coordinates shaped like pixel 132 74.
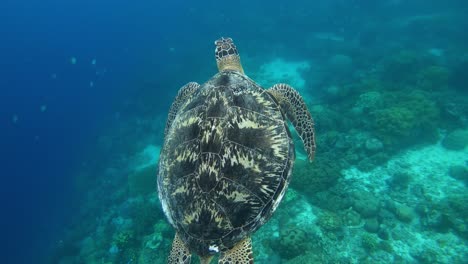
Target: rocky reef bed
pixel 388 184
pixel 408 210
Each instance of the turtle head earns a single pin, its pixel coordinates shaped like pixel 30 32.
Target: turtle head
pixel 227 57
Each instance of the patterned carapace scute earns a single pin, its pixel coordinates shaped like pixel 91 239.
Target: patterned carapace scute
pixel 226 162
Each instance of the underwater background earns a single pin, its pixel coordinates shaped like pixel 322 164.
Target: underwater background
pixel 86 87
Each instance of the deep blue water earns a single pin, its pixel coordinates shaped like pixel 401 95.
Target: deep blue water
pixel 137 45
pixel 41 150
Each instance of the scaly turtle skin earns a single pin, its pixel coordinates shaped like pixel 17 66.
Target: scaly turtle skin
pixel 227 160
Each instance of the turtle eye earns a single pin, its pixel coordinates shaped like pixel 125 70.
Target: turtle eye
pixel 228 40
pixel 225 46
pixel 218 42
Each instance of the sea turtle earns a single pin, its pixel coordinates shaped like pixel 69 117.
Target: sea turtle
pixel 227 159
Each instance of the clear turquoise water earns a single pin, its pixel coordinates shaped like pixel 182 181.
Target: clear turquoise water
pixel 86 87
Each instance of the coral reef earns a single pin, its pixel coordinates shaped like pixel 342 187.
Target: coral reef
pixel 405 117
pixel 456 140
pixel 402 212
pixel 124 239
pixel 307 258
pixel 402 67
pixel 369 243
pixel 329 221
pixel 459 172
pixel 312 178
pixel 293 242
pixel 388 184
pixel 372 225
pixel 433 78
pixel 366 204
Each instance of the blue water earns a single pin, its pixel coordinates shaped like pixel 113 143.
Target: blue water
pixel 41 150
pixel 72 71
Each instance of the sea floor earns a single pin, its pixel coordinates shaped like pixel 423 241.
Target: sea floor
pixel 370 218
pixel 391 228
pixel 386 202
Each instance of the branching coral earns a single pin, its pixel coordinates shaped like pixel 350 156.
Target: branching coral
pixel 330 221
pixel 311 179
pixel 397 121
pixel 293 242
pixel 405 117
pixel 370 243
pixel 124 239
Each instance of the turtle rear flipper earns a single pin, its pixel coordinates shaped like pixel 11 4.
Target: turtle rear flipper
pixel 180 254
pixel 241 253
pixel 294 107
pixel 184 93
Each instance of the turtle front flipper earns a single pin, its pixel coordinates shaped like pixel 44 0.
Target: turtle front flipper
pixel 296 111
pixel 241 253
pixel 180 254
pixel 184 93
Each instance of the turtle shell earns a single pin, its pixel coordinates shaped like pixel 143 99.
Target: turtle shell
pixel 225 164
